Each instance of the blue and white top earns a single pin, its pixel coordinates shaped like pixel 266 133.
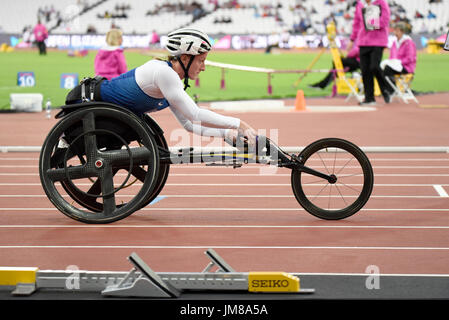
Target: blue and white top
pixel 155 86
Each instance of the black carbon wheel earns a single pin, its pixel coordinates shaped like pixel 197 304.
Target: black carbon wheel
pixel 88 159
pixel 351 187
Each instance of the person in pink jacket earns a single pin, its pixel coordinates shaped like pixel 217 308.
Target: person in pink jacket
pixel 402 53
pixel 371 28
pixel 110 61
pixel 40 35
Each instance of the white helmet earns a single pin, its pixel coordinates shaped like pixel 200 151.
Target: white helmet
pixel 188 41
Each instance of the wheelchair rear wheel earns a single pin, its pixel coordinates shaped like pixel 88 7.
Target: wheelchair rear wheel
pixel 91 156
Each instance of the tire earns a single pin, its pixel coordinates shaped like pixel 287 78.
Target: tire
pixel 70 154
pixel 354 179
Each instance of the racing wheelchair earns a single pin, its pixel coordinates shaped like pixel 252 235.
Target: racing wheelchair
pixel 98 150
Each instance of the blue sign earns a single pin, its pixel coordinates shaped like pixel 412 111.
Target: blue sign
pixel 26 79
pixel 69 80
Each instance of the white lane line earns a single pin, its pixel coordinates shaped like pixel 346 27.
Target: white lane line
pixel 201 166
pixel 224 247
pixel 235 209
pixel 33 184
pixel 19 166
pixel 253 175
pixel 223 226
pixel 281 209
pixel 346 167
pixel 232 196
pixel 440 190
pixel 19 159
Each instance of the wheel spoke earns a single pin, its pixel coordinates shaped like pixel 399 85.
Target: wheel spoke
pixel 350 175
pixel 344 165
pixel 77 172
pixel 315 181
pixel 335 160
pixel 107 189
pixel 139 173
pixel 348 186
pixel 323 162
pixel 343 198
pixel 139 156
pixel 95 188
pixel 90 140
pixel 320 192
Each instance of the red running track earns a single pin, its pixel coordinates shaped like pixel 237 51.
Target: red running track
pixel 251 219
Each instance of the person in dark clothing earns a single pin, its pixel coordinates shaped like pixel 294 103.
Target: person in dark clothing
pixel 351 62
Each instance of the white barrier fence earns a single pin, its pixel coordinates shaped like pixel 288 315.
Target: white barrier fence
pixel 267 71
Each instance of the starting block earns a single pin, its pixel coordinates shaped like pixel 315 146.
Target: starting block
pixel 142 281
pixel 148 283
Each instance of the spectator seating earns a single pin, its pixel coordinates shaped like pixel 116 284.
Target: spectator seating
pixel 231 17
pixel 20 13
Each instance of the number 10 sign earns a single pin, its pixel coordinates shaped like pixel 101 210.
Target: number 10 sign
pixel 26 79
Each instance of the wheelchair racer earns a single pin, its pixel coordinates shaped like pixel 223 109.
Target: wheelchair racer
pixel 157 85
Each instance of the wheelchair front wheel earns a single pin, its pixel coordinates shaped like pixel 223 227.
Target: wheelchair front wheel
pixel 351 187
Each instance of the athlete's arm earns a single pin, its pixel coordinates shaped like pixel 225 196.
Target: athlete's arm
pixel 183 105
pixel 197 128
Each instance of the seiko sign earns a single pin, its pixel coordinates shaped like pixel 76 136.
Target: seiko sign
pixel 269 283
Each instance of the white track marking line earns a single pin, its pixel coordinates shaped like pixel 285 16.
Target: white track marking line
pixel 19 159
pixel 17 166
pixel 199 166
pixel 225 247
pixel 232 196
pixel 374 167
pixel 440 190
pixel 224 226
pixel 32 184
pixel 9 174
pixel 236 209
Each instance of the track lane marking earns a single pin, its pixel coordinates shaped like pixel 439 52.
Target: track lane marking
pixel 223 226
pixel 227 247
pixel 233 209
pixel 250 175
pixel 228 196
pixel 199 166
pixel 440 190
pixel 33 184
pixel 226 174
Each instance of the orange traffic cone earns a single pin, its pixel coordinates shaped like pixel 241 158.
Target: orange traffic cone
pixel 300 102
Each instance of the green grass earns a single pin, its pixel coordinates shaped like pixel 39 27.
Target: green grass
pixel 431 74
